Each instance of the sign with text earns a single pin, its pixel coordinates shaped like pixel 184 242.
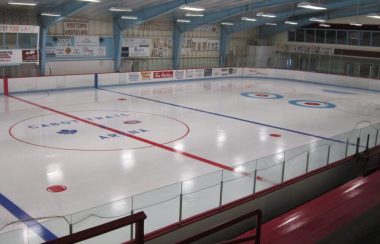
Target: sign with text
pixel 75 28
pixel 163 74
pixel 87 41
pixel 18 56
pixel 19 29
pixel 64 41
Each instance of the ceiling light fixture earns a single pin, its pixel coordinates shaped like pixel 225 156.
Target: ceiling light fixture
pixel 356 24
pixel 373 16
pixel 313 6
pixel 129 17
pixel 194 15
pixel 325 25
pixel 288 22
pixel 191 8
pixel 227 23
pixel 22 3
pixel 90 1
pixel 115 9
pixel 183 21
pixel 50 14
pixel 266 15
pixel 248 19
pixel 271 24
pixel 320 20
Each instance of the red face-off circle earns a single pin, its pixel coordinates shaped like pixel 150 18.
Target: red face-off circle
pixel 312 104
pixel 56 188
pixel 122 99
pixel 262 95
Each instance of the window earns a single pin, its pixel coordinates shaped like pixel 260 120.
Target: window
pixel 376 39
pixel 27 40
pixel 331 36
pixel 310 35
pixel 365 38
pixel 300 35
pixel 10 40
pixel 2 41
pixel 353 38
pixel 320 36
pixel 342 37
pixel 292 35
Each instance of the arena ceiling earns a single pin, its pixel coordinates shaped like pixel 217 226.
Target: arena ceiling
pixel 215 11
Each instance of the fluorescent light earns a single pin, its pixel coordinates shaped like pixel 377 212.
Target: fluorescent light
pixel 266 15
pixel 129 17
pixel 227 23
pixel 90 1
pixel 50 14
pixel 313 6
pixel 191 8
pixel 271 24
pixel 194 15
pixel 356 24
pixel 248 19
pixel 115 9
pixel 325 25
pixel 22 3
pixel 291 22
pixel 183 21
pixel 373 16
pixel 317 20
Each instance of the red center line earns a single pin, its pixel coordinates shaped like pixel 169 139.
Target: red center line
pixel 189 155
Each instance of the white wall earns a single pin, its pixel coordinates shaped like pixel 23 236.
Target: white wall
pixel 79 67
pixel 260 56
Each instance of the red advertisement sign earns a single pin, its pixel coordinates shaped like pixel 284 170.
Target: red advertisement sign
pixel 163 74
pixel 29 56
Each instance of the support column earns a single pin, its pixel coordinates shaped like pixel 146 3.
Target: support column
pixel 224 41
pixel 117 35
pixel 42 54
pixel 177 46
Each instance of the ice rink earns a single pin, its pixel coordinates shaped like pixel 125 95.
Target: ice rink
pixel 98 146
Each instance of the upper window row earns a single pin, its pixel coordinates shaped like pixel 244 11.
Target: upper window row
pixel 343 37
pixel 18 41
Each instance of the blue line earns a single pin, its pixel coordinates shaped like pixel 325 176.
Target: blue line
pixel 226 116
pixel 20 214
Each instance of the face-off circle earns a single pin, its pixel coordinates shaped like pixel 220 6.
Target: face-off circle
pixel 312 104
pixel 56 188
pixel 65 133
pixel 262 95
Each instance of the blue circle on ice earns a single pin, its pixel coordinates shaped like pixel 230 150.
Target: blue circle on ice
pixel 262 95
pixel 312 104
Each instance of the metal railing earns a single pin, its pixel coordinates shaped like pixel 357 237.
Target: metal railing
pixel 256 237
pixel 137 219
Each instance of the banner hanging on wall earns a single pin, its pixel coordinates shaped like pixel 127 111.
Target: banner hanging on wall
pixel 76 51
pixel 18 56
pixel 86 41
pixel 195 46
pixel 64 41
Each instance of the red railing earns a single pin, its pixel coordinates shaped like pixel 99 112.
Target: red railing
pixel 257 213
pixel 137 218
